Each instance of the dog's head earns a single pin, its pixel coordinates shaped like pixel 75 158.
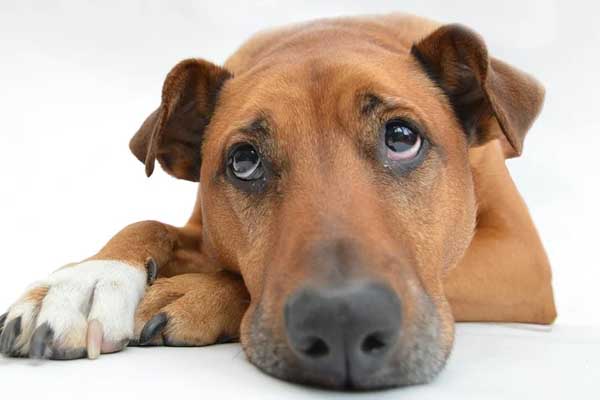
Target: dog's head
pixel 338 184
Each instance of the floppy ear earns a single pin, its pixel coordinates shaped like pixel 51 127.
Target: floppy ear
pixel 486 93
pixel 173 132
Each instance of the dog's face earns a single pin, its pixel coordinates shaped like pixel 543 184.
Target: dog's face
pixel 330 176
pixel 340 188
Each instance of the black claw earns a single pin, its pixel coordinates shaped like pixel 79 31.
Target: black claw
pixel 151 270
pixel 40 341
pixel 11 332
pixel 2 320
pixel 153 328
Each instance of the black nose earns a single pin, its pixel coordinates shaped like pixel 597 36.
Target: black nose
pixel 341 334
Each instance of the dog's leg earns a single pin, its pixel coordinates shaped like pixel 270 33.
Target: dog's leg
pixel 505 274
pixel 88 307
pixel 192 310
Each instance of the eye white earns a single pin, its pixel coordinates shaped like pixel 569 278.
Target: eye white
pixel 247 174
pixel 406 154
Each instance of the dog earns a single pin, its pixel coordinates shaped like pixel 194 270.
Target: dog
pixel 353 204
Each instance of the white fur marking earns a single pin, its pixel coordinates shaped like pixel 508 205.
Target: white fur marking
pixel 105 290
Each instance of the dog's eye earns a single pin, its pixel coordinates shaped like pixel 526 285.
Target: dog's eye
pixel 402 142
pixel 245 163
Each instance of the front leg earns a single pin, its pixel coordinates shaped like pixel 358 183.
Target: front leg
pixel 87 308
pixel 192 310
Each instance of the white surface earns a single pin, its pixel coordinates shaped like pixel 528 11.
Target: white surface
pixel 488 362
pixel 77 78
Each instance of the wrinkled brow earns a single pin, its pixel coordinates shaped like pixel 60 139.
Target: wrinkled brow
pixel 371 103
pixel 259 127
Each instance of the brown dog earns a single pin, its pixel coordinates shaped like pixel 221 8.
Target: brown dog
pixel 354 203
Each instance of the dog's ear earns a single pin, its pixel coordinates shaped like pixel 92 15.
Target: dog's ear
pixel 173 132
pixel 486 93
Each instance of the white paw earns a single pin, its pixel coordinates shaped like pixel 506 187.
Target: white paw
pixel 85 308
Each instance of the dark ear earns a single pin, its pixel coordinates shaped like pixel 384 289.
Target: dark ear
pixel 484 92
pixel 173 132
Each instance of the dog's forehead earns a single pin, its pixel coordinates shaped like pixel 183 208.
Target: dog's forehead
pixel 323 77
pixel 325 88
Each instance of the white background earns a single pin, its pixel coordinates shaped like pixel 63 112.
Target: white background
pixel 77 78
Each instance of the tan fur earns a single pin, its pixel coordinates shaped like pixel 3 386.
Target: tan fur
pixel 505 274
pixel 36 295
pixel 175 250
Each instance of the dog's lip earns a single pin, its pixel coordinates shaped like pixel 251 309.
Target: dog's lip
pixel 345 384
pixel 312 379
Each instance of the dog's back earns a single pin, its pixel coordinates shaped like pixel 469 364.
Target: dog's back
pixel 394 32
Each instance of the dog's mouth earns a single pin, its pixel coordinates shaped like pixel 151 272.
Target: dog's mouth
pixel 326 340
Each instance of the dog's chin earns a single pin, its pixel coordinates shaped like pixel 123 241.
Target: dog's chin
pixel 420 355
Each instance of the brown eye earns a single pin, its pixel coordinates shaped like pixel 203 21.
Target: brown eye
pixel 245 162
pixel 402 142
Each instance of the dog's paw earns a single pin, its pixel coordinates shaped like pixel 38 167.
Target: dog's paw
pixel 191 310
pixel 82 309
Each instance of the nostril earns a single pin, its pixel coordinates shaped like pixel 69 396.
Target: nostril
pixel 316 348
pixel 373 343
